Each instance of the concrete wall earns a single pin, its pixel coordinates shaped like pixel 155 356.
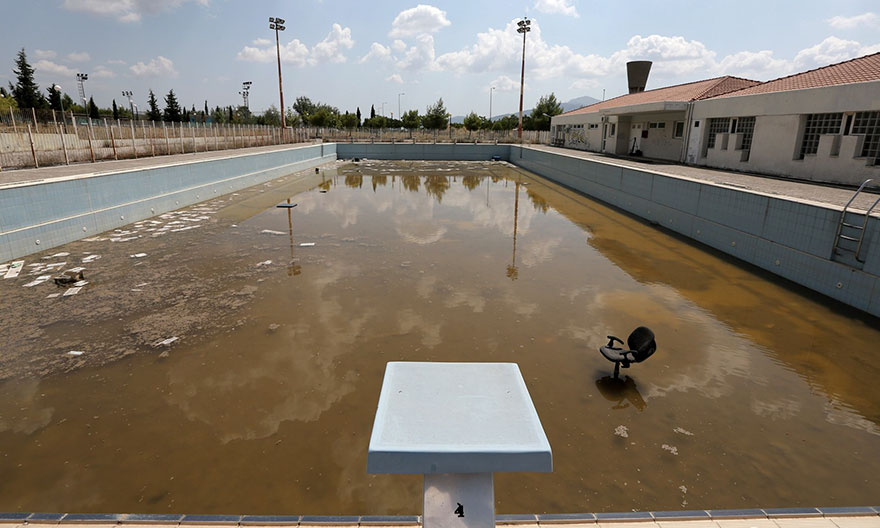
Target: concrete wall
pixel 786 237
pixel 422 151
pixel 778 130
pixel 61 211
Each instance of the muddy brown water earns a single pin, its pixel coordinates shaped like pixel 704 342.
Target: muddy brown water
pixel 761 394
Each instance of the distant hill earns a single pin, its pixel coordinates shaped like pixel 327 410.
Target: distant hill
pixel 567 106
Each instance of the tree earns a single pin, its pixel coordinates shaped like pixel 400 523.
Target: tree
pixel 206 114
pixel 272 116
pixel 26 92
pixel 472 121
pixel 436 117
pixel 231 116
pixel 411 119
pixel 348 120
pixel 184 115
pixel 304 107
pixel 171 113
pixel 6 101
pixel 359 116
pixel 93 109
pixel 54 98
pixel 546 108
pixel 324 116
pixel 372 111
pixel 153 114
pixel 115 111
pixel 218 115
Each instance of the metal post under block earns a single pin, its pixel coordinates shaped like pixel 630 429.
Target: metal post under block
pixel 457 424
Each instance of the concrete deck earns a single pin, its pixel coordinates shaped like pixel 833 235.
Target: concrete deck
pixel 808 191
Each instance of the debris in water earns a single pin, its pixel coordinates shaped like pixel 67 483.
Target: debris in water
pixel 621 431
pixel 274 326
pixel 683 489
pixel 75 353
pixel 166 342
pixel 72 291
pixel 90 258
pixel 75 270
pixel 138 255
pixel 264 263
pixel 272 232
pixel 683 431
pixel 81 283
pixel 671 449
pixel 52 295
pixel 286 206
pixel 307 244
pixel 14 269
pixel 63 280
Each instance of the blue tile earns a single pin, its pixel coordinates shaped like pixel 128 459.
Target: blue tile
pixel 150 518
pixel 270 519
pixel 13 517
pixel 389 519
pixel 624 516
pixel 737 514
pixel 686 515
pixel 792 512
pixel 848 510
pixel 329 519
pixel 111 518
pixel 509 518
pixel 45 517
pixel 566 517
pixel 210 519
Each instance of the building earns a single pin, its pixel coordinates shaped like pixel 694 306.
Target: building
pixel 821 125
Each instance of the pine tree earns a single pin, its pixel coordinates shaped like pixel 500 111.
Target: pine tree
pixel 359 116
pixel 230 114
pixel 93 109
pixel 154 114
pixel 54 98
pixel 115 111
pixel 372 112
pixel 172 108
pixel 207 113
pixel 26 92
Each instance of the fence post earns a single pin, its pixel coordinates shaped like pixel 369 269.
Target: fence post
pixel 112 139
pixel 192 131
pixel 34 113
pixel 12 115
pixel 90 133
pixel 73 120
pixel 33 150
pixel 182 140
pixel 233 135
pixel 61 135
pixel 216 138
pixel 167 145
pixel 133 145
pixel 152 127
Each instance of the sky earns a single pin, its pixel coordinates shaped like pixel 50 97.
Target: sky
pixel 402 55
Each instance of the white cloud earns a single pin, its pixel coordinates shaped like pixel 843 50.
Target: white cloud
pixel 398 45
pixel 829 51
pixel 78 56
pixel 419 56
pixel 44 66
pixel 377 51
pixel 758 65
pixel 584 84
pixel 44 54
pixel 865 19
pixel 504 83
pixel 126 10
pixel 103 73
pixel 418 20
pixel 261 42
pixel 869 50
pixel 294 52
pixel 117 61
pixel 673 55
pixel 330 49
pixel 395 78
pixel 158 67
pixel 562 7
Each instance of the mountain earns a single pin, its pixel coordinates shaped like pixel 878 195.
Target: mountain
pixel 567 106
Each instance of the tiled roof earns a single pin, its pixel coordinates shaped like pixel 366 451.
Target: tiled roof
pixel 680 93
pixel 857 70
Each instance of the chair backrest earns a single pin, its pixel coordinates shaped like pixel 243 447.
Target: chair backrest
pixel 641 341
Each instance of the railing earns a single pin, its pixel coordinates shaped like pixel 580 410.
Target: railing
pixel 452 135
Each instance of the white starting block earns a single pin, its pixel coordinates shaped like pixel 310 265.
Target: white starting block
pixel 457 424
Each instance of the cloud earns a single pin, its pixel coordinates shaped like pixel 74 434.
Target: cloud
pixel 398 45
pixel 44 54
pixel 420 56
pixel 117 61
pixel 377 51
pixel 757 65
pixel 829 51
pixel 673 55
pixel 395 78
pixel 46 66
pixel 261 42
pixel 418 20
pixel 865 19
pixel 330 49
pixel 78 56
pixel 504 83
pixel 126 10
pixel 103 73
pixel 294 52
pixel 158 67
pixel 561 7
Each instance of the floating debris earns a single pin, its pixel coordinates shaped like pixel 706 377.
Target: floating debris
pixel 14 269
pixel 671 449
pixel 272 232
pixel 621 431
pixel 81 283
pixel 75 353
pixel 72 291
pixel 166 342
pixel 682 431
pixel 52 295
pixel 138 255
pixel 683 489
pixel 90 258
pixel 307 244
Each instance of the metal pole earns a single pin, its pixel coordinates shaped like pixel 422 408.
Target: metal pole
pixel 63 146
pixel 33 150
pixel 280 90
pixel 522 80
pixel 193 133
pixel 167 145
pixel 91 132
pixel 133 145
pixel 73 120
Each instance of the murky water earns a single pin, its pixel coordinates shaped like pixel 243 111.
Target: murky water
pixel 760 394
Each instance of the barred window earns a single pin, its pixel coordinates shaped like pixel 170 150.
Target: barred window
pixel 818 124
pixel 717 125
pixel 746 127
pixel 868 123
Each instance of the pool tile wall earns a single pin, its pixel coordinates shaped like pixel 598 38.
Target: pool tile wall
pixel 57 212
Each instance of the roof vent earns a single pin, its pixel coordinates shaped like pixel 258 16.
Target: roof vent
pixel 637 75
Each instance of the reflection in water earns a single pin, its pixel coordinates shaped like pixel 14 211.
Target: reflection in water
pixel 512 271
pixel 622 391
pixel 283 390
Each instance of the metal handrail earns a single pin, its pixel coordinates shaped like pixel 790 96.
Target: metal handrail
pixel 865 227
pixel 843 218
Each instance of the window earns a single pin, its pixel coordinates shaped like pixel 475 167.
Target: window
pixel 717 125
pixel 613 129
pixel 817 125
pixel 696 124
pixel 678 129
pixel 657 125
pixel 868 123
pixel 594 126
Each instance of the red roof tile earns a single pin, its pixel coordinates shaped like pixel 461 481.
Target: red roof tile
pixel 679 93
pixel 857 70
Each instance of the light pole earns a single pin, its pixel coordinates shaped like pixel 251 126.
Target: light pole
pixel 383 108
pixel 129 93
pixel 491 89
pixel 82 78
pixel 245 92
pixel 399 115
pixel 278 25
pixel 523 28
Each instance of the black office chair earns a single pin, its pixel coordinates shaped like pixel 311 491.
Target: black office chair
pixel 641 345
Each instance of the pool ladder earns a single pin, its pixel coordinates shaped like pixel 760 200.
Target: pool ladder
pixel 848 231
